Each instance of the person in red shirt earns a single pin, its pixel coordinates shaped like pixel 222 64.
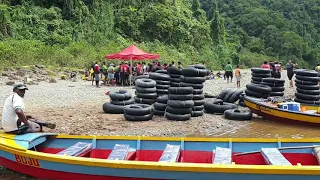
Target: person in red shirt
pixel 126 71
pixel 164 67
pixel 139 69
pixel 97 74
pixel 122 75
pixel 265 65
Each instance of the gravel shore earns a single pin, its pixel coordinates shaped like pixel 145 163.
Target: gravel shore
pixel 76 107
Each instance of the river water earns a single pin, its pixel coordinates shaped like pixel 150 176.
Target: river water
pixel 257 128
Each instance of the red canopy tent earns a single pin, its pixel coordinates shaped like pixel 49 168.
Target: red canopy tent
pixel 132 53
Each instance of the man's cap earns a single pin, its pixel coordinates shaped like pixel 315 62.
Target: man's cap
pixel 126 62
pixel 111 64
pixel 20 86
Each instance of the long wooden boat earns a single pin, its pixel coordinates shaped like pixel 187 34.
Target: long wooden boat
pixel 40 155
pixel 272 112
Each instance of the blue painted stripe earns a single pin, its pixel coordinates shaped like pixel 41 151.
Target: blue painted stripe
pixel 244 147
pixel 204 146
pixel 307 150
pixel 157 173
pixel 157 145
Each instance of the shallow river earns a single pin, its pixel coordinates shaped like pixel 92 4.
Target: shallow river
pixel 257 128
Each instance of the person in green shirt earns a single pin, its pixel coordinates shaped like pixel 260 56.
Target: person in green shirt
pixel 116 73
pixel 229 72
pixel 104 72
pixel 111 74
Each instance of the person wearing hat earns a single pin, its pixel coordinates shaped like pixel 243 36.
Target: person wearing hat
pixel 14 120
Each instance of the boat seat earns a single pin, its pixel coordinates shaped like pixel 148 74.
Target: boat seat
pixel 273 156
pixel 78 149
pixel 119 152
pixel 222 156
pixel 316 152
pixel 170 154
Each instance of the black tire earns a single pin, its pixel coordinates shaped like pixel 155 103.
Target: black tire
pixel 147 95
pixel 162 86
pixel 180 97
pixel 306 101
pixel 112 109
pixel 197 113
pixel 308 78
pixel 255 82
pixel 138 118
pixel 235 96
pixel 199 102
pixel 229 94
pixel 123 103
pixel 211 107
pixel 206 95
pixel 181 111
pixel 217 101
pixel 241 96
pixel 163 99
pixel 305 82
pixel 306 72
pixel 176 80
pixel 260 71
pixel 195 86
pixel 160 106
pixel 198 66
pixel 137 109
pixel 120 95
pixel 162 91
pixel 158 113
pixel 259 88
pixel 173 70
pixel 236 114
pixel 308 97
pixel 160 82
pixel 145 83
pixel 257 79
pixel 198 108
pixel 260 75
pixel 223 93
pixel 192 80
pixel 144 101
pixel 180 90
pixel 194 72
pixel 277 89
pixel 276 94
pixel 177 117
pixel 242 103
pixel 273 80
pixel 181 104
pixel 146 90
pixel 311 92
pixel 256 94
pixel 271 84
pixel 198 97
pixel 162 71
pixel 197 91
pixel 145 76
pixel 308 87
pixel 174 84
pixel 159 76
pixel 177 76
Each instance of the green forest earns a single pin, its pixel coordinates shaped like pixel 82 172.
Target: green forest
pixel 75 33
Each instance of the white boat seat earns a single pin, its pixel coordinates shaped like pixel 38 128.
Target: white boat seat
pixel 316 152
pixel 77 149
pixel 170 154
pixel 119 152
pixel 222 156
pixel 273 156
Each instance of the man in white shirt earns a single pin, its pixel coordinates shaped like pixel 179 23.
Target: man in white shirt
pixel 13 118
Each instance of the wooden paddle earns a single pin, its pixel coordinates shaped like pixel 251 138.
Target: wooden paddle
pixel 282 148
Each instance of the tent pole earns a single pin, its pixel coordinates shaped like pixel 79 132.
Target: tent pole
pixel 130 70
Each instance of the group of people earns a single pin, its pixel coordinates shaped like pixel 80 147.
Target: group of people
pixel 119 74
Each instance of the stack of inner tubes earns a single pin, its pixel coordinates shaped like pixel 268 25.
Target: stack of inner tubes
pixel 174 74
pixel 138 112
pixel 195 76
pixel 277 86
pixel 259 73
pixel 119 99
pixel 145 91
pixel 217 106
pixel 162 80
pixel 307 86
pixel 159 107
pixel 258 90
pixel 241 100
pixel 230 95
pixel 180 103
